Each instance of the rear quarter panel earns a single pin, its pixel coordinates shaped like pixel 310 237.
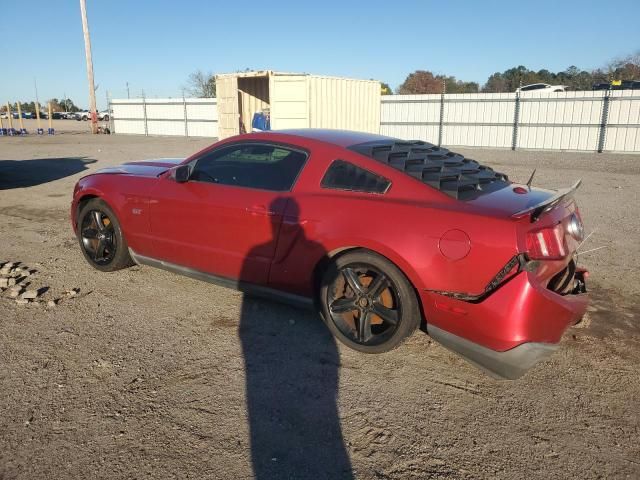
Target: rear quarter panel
pixel 405 225
pixel 406 234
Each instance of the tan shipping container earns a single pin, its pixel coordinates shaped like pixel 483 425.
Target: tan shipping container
pixel 296 100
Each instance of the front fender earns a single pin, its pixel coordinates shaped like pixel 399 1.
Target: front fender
pixel 128 197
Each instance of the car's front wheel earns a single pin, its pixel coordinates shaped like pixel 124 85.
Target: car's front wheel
pixel 101 238
pixel 368 303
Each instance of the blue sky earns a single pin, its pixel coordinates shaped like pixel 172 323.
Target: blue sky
pixel 154 45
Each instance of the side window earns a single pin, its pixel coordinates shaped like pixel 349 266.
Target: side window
pixel 535 86
pixel 267 167
pixel 343 175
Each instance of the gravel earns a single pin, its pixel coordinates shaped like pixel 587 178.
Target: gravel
pixel 146 374
pixel 30 294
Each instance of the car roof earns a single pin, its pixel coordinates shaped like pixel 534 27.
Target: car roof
pixel 342 138
pixel 448 172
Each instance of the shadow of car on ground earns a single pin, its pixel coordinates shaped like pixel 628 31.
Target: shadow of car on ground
pixel 292 379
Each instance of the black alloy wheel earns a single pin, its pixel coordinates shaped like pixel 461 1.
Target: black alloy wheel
pixel 364 304
pixel 101 238
pixel 368 303
pixel 98 237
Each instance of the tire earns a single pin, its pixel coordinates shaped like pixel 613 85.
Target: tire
pixel 102 242
pixel 360 285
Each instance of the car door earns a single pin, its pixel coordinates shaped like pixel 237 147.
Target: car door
pixel 226 218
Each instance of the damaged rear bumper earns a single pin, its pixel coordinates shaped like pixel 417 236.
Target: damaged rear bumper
pixel 509 365
pixel 508 332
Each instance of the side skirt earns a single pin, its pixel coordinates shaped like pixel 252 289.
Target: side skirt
pixel 249 288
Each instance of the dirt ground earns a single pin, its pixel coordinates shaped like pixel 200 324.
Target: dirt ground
pixel 146 374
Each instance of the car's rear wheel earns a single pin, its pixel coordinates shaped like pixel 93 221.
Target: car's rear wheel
pixel 368 303
pixel 101 238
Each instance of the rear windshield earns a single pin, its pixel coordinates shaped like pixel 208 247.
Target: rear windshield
pixel 460 178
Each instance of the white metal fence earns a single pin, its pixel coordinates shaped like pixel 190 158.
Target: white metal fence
pixel 191 117
pixel 587 121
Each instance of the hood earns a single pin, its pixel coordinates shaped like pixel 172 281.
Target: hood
pixel 143 168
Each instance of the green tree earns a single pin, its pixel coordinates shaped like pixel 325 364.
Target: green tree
pixel 385 89
pixel 423 81
pixel 62 105
pixel 24 107
pixel 454 85
pixel 495 84
pixel 624 68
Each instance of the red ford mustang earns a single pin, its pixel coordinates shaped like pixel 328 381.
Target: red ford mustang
pixel 382 235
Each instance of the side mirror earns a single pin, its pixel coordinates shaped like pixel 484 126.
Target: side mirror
pixel 181 173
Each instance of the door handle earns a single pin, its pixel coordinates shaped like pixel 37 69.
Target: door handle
pixel 260 210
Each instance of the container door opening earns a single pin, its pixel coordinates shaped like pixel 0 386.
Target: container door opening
pixel 253 98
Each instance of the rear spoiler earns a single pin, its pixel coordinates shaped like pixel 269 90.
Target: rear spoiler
pixel 548 204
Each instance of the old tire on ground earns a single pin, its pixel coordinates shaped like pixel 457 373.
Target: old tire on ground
pixel 367 302
pixel 101 239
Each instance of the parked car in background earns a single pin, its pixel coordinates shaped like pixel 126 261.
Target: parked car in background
pixel 381 235
pixel 4 115
pixel 542 88
pixel 24 115
pixel 625 85
pixel 618 85
pixel 86 115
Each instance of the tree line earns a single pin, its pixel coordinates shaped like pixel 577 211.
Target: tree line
pixel 424 81
pixel 201 84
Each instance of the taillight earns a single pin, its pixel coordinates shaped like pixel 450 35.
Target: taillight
pixel 546 243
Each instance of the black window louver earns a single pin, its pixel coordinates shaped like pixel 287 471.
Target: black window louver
pixel 460 178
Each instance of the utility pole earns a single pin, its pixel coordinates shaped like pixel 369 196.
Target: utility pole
pixel 35 84
pixel 128 90
pixel 87 50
